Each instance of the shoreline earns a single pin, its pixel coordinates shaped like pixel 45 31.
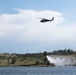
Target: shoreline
pixel 27 65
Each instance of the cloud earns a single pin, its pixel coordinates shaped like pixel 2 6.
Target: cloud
pixel 25 26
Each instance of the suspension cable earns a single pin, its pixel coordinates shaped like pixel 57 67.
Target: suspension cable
pixel 45 38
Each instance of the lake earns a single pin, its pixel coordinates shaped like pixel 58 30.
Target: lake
pixel 68 70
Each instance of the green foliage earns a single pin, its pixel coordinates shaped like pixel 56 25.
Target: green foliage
pixel 8 61
pixel 45 53
pixel 63 52
pixel 45 59
pixel 37 62
pixel 32 58
pixel 13 60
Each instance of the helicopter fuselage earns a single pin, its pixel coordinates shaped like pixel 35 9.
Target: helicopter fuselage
pixel 46 20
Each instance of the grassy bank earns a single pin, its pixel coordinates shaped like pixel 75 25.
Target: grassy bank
pixel 32 59
pixel 23 60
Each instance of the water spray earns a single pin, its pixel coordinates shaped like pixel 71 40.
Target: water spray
pixel 62 60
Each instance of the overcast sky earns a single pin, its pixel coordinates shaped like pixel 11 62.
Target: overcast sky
pixel 22 32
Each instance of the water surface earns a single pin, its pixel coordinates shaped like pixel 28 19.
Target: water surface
pixel 69 70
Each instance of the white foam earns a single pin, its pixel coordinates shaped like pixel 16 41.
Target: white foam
pixel 62 60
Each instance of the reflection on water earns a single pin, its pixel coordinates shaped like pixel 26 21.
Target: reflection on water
pixel 38 70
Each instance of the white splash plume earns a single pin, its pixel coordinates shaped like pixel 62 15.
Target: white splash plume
pixel 62 60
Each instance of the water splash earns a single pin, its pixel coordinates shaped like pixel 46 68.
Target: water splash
pixel 62 60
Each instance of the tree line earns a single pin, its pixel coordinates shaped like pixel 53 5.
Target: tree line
pixel 41 54
pixel 39 58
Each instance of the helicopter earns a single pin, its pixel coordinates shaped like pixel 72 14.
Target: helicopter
pixel 43 20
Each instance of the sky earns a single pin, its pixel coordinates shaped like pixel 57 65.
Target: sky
pixel 22 32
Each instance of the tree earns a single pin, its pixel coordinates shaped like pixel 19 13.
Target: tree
pixel 37 62
pixel 45 53
pixel 45 59
pixel 8 60
pixel 13 60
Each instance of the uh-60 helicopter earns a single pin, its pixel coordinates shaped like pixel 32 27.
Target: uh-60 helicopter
pixel 43 20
